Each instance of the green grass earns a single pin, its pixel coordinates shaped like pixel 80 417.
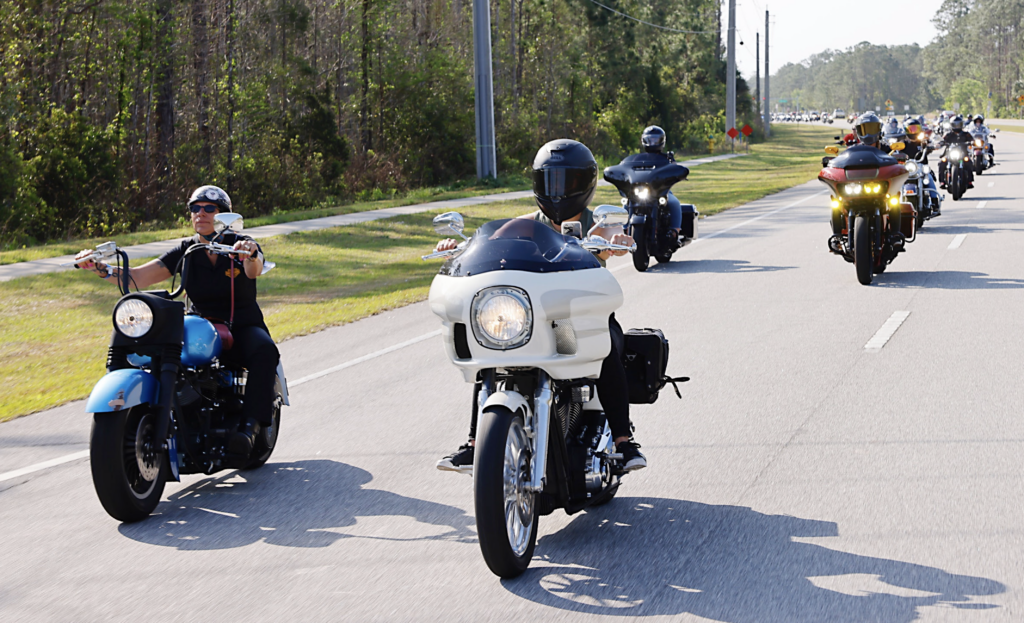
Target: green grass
pixel 55 327
pixel 1009 128
pixel 458 190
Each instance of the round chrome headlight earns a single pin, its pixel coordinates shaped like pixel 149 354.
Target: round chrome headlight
pixel 912 168
pixel 502 317
pixel 133 318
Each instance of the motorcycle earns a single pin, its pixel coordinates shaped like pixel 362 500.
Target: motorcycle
pixel 526 317
pixel 980 151
pixel 957 160
pixel 924 197
pixel 870 223
pixel 645 181
pixel 167 405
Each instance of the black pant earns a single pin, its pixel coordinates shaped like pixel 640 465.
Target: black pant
pixel 611 388
pixel 256 352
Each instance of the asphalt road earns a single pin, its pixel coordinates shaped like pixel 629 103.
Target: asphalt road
pixel 802 478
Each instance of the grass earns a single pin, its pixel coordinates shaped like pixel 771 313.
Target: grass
pixel 1009 128
pixel 458 190
pixel 55 327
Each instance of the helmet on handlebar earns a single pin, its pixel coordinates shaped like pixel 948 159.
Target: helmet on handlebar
pixel 868 128
pixel 564 179
pixel 211 194
pixel 653 140
pixel 957 123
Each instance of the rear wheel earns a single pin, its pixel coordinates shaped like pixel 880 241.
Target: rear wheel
pixel 862 250
pixel 129 467
pixel 641 257
pixel 664 258
pixel 506 517
pixel 266 439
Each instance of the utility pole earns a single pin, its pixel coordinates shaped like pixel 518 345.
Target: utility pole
pixel 730 71
pixel 767 74
pixel 486 160
pixel 757 80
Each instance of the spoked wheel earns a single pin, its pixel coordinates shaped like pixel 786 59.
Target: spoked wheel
pixel 266 439
pixel 862 250
pixel 506 517
pixel 129 466
pixel 641 257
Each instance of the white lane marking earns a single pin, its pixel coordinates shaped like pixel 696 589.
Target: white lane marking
pixel 991 184
pixel 210 510
pixel 373 355
pixel 626 265
pixel 888 329
pixel 982 204
pixel 957 241
pixel 84 454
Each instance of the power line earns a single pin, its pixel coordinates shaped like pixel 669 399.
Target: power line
pixel 688 32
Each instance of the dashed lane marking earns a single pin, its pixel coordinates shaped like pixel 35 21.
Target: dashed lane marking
pixel 957 241
pixel 991 184
pixel 882 336
pixel 24 471
pixel 982 204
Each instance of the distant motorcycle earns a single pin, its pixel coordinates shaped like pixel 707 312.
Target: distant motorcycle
pixel 167 405
pixel 645 181
pixel 957 159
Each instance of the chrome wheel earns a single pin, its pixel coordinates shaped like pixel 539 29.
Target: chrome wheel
pixel 519 503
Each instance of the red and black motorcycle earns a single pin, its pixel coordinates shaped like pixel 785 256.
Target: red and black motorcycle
pixel 870 226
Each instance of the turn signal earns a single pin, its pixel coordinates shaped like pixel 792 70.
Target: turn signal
pixel 835 204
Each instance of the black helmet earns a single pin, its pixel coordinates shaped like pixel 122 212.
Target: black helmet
pixel 957 123
pixel 653 140
pixel 211 194
pixel 564 179
pixel 868 128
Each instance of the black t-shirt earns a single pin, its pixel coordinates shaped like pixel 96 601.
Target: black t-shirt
pixel 208 284
pixel 958 136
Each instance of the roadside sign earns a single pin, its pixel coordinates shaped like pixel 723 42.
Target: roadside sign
pixel 747 130
pixel 888 103
pixel 733 133
pixel 783 101
pixel 906 107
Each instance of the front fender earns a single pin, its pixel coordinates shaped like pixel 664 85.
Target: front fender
pixel 122 389
pixel 637 219
pixel 513 401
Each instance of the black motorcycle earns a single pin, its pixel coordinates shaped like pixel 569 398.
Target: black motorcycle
pixel 645 181
pixel 167 404
pixel 957 159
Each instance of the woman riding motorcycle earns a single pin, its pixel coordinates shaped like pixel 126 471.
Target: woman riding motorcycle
pixel 563 184
pixel 208 286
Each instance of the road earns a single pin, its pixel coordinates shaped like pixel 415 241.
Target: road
pixel 802 478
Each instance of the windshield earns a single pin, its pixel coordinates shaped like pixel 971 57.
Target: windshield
pixel 519 244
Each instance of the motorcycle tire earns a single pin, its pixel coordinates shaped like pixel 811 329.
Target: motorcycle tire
pixel 641 257
pixel 128 475
pixel 954 188
pixel 664 258
pixel 266 441
pixel 506 528
pixel 862 259
pixel 979 166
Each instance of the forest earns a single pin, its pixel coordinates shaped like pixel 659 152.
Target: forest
pixel 976 60
pixel 114 110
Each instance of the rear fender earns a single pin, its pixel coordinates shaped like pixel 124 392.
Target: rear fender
pixel 284 384
pixel 123 389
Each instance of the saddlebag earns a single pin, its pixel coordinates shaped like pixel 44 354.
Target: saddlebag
pixel 645 357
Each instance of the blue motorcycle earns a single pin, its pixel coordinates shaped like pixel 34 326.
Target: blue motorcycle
pixel 645 181
pixel 167 404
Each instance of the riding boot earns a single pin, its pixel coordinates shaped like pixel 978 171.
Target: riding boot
pixel 242 442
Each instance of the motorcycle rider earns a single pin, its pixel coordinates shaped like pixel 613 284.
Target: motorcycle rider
pixel 208 287
pixel 956 135
pixel 564 182
pixel 980 129
pixel 653 141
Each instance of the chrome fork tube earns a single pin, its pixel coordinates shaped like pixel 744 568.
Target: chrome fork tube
pixel 486 389
pixel 542 399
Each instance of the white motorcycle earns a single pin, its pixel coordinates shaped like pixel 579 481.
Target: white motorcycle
pixel 526 315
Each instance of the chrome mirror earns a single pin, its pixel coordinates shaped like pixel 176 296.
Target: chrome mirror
pixel 267 267
pixel 450 224
pixel 605 215
pixel 231 221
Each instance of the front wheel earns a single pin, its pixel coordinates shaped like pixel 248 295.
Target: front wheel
pixel 129 466
pixel 862 250
pixel 979 164
pixel 641 257
pixel 506 517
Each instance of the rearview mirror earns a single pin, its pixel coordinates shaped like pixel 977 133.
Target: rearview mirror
pixel 897 146
pixel 832 149
pixel 605 215
pixel 450 224
pixel 230 221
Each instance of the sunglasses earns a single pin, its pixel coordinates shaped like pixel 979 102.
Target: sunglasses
pixel 207 208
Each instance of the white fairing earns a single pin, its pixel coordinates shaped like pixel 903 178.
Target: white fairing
pixel 584 297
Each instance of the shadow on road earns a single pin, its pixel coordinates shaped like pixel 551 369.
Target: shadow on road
pixel 300 504
pixel 652 556
pixel 932 230
pixel 946 280
pixel 683 266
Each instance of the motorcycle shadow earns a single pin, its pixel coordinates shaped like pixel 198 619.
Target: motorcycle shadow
pixel 302 504
pixel 946 280
pixel 653 556
pixel 714 266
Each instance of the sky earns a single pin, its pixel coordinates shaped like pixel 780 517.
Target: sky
pixel 802 28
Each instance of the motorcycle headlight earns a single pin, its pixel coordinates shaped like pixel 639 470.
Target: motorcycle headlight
pixel 978 142
pixel 853 189
pixel 502 317
pixel 955 154
pixel 912 167
pixel 133 318
pixel 642 193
